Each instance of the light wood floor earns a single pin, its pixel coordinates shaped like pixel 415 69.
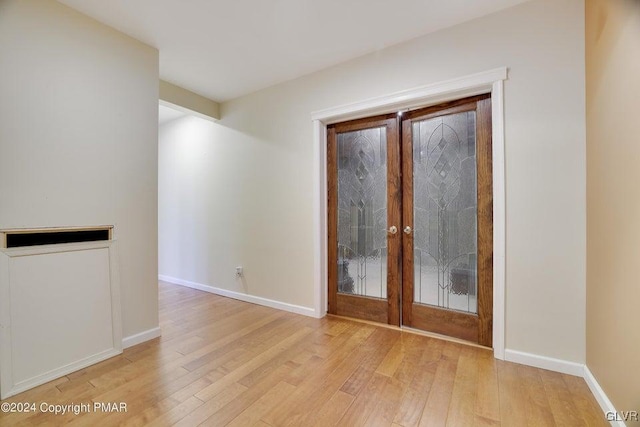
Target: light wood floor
pixel 224 362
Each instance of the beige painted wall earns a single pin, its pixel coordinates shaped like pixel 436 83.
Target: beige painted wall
pixel 613 201
pixel 252 171
pixel 78 137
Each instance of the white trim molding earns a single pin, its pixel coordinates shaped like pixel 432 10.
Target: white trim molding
pixel 609 412
pixel 141 337
pixel 491 81
pixel 461 87
pixel 544 362
pixel 60 372
pixel 298 309
pixel 604 402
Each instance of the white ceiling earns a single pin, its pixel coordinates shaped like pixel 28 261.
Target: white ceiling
pixel 166 114
pixel 223 49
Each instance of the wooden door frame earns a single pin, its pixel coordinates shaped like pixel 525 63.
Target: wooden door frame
pixel 492 82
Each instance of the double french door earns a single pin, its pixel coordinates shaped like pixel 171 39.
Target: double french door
pixel 410 219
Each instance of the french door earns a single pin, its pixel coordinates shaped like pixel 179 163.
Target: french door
pixel 410 224
pixel 364 204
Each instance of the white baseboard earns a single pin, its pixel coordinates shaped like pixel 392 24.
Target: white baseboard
pixel 141 337
pixel 544 362
pixel 306 311
pixel 59 372
pixel 571 368
pixel 601 397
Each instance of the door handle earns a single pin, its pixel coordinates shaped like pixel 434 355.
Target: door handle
pixel 407 230
pixel 393 229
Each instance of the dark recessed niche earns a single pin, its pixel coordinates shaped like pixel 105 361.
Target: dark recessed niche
pixel 22 239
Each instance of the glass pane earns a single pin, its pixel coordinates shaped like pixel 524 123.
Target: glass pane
pixel 445 214
pixel 362 212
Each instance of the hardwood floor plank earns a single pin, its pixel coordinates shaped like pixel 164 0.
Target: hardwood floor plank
pixel 144 417
pixel 565 412
pixel 321 384
pixel 192 389
pixel 393 359
pixel 463 396
pixel 480 421
pixel 213 405
pixel 415 397
pixel 417 348
pixel 274 327
pixel 376 352
pixel 94 371
pixel 256 410
pixel 585 401
pixel 417 370
pixel 538 410
pixel 513 404
pixel 334 409
pixel 222 361
pixel 437 406
pixel 365 402
pixel 265 343
pixel 388 401
pixel 235 407
pixel 177 413
pixel 251 365
pixel 487 405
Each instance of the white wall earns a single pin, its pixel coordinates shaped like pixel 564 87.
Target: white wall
pixel 200 209
pixel 240 191
pixel 78 137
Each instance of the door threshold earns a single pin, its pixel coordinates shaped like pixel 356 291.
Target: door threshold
pixel 412 331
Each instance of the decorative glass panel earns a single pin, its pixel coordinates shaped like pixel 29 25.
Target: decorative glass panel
pixel 362 212
pixel 445 212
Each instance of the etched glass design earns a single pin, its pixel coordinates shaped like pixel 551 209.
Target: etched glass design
pixel 362 212
pixel 445 212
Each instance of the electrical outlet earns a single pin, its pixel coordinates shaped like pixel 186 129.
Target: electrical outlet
pixel 238 271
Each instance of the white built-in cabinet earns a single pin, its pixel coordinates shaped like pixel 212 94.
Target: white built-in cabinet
pixel 59 310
